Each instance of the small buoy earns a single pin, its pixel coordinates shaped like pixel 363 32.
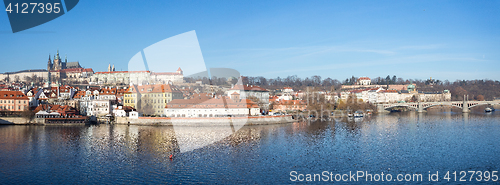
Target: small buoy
pixel 171 156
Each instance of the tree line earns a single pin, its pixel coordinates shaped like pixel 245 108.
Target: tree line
pixel 476 89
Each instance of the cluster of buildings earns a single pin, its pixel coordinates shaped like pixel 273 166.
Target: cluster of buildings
pixel 162 100
pixel 390 93
pixel 125 93
pixel 286 99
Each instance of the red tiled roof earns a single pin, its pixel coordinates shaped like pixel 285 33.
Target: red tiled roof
pixel 13 95
pixel 34 91
pixel 79 94
pixel 120 91
pixel 62 109
pixel 107 91
pixel 364 78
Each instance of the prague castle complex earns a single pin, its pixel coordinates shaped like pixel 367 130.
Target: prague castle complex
pixel 62 71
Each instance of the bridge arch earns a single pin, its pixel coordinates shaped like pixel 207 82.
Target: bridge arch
pixel 399 105
pixel 482 103
pixel 432 105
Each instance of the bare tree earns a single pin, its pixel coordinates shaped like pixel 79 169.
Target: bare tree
pixel 146 105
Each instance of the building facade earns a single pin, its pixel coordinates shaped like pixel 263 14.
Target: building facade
pixel 13 101
pixel 137 77
pixel 246 91
pixel 213 107
pixel 364 81
pixel 154 96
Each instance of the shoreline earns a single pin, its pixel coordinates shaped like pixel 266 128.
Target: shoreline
pixel 222 121
pixel 165 121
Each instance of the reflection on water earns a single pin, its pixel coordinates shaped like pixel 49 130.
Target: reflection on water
pixel 392 143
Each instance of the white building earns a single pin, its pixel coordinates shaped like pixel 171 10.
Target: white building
pixel 33 95
pixel 168 77
pixel 122 111
pixel 134 115
pixel 379 95
pixel 137 77
pixel 246 91
pixel 214 107
pixel 95 107
pixel 107 93
pixel 364 81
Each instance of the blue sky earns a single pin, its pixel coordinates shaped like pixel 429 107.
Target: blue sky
pixel 410 39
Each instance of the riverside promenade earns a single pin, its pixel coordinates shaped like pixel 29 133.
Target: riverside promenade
pixel 251 120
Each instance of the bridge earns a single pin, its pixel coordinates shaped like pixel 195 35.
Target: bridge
pixel 421 106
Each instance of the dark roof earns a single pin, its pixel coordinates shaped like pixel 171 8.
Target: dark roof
pixel 73 65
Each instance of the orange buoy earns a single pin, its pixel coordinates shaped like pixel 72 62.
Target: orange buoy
pixel 171 156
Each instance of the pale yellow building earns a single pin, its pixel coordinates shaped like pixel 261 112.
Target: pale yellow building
pixel 151 99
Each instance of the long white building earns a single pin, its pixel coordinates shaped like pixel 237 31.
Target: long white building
pixel 214 107
pixel 137 77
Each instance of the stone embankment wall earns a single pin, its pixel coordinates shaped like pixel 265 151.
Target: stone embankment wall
pixel 255 120
pixel 14 121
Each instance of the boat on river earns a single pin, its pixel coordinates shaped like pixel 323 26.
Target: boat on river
pixel 358 114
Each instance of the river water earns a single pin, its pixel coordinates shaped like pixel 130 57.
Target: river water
pixel 402 143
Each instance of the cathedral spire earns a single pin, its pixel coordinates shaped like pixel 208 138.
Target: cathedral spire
pixel 66 58
pixel 49 64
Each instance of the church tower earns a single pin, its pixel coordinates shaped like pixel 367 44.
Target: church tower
pixel 109 67
pixel 57 62
pixel 49 64
pixel 113 68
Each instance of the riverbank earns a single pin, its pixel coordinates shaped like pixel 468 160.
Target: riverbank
pixel 14 121
pixel 253 120
pixel 39 121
